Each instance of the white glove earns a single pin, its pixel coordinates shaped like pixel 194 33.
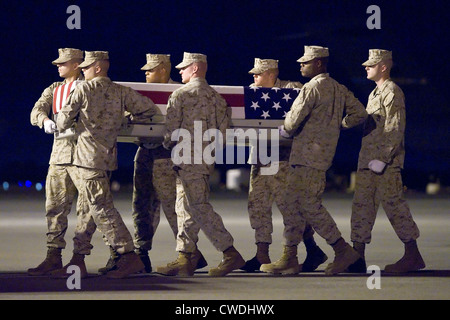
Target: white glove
pixel 377 166
pixel 283 132
pixel 49 126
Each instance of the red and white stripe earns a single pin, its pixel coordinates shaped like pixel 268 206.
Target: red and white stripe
pixel 159 93
pixel 61 93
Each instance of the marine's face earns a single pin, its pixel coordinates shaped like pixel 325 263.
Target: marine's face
pixel 374 72
pixel 263 79
pixel 308 69
pixel 155 75
pixel 186 73
pixel 89 72
pixel 67 69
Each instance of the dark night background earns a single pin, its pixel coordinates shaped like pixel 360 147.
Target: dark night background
pixel 232 34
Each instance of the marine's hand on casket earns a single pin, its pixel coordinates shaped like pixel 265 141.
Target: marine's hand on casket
pixel 49 126
pixel 283 133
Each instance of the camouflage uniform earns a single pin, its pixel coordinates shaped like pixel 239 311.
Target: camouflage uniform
pixel 322 101
pixel 265 189
pixel 196 101
pixel 154 186
pixel 97 106
pixel 383 140
pixel 60 186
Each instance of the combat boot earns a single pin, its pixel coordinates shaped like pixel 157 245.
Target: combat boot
pixel 77 260
pixel 262 257
pixel 143 255
pixel 52 262
pixel 314 258
pixel 182 266
pixel 360 265
pixel 411 261
pixel 232 260
pixel 345 255
pixel 197 260
pixel 287 264
pixel 111 264
pixel 127 264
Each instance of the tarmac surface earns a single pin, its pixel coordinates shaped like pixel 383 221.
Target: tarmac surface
pixel 22 245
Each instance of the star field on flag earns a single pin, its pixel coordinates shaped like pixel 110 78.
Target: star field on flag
pixel 268 103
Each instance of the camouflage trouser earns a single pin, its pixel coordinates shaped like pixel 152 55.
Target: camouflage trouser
pixel 60 190
pixel 95 188
pixel 194 212
pixel 154 186
pixel 264 190
pixel 387 188
pixel 304 194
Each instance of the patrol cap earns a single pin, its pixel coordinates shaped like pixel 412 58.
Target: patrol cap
pixel 92 56
pixel 154 60
pixel 312 52
pixel 67 54
pixel 262 65
pixel 190 58
pixel 376 56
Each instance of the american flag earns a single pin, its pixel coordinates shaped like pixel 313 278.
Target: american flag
pixel 268 103
pixel 245 102
pixel 60 94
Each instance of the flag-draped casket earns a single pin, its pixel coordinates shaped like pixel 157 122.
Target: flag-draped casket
pixel 259 109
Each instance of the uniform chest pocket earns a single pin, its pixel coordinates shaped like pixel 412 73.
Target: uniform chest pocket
pixel 375 108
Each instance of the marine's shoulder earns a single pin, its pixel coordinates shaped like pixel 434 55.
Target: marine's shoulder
pixel 54 85
pixel 288 84
pixel 317 81
pixel 181 90
pixel 391 87
pixel 88 85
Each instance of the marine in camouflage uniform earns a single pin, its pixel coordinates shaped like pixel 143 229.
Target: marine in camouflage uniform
pixel 197 102
pixel 315 120
pixel 380 162
pixel 154 181
pixel 97 107
pixel 266 189
pixel 61 181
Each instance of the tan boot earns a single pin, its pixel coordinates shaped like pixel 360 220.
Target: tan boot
pixel 287 264
pixel 232 260
pixel 411 261
pixel 128 263
pixel 180 267
pixel 345 255
pixel 52 262
pixel 77 260
pixel 197 260
pixel 261 257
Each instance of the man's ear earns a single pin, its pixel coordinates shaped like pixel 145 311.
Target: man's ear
pixel 273 75
pixel 163 70
pixel 319 63
pixel 98 69
pixel 194 68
